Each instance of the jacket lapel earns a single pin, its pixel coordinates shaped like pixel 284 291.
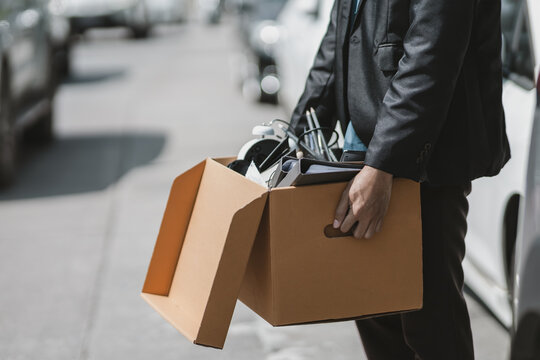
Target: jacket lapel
pixel 345 13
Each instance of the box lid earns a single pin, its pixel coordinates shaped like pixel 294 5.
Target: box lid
pixel 202 250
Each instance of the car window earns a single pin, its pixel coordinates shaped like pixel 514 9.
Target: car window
pixel 518 54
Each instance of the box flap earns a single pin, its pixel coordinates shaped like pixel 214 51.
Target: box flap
pixel 173 229
pixel 211 254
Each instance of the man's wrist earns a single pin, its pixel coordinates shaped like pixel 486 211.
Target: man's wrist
pixel 381 174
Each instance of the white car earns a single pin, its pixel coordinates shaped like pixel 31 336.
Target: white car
pixel 303 23
pixel 495 202
pixel 526 304
pixel 86 14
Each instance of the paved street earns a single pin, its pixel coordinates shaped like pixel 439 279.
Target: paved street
pixel 78 228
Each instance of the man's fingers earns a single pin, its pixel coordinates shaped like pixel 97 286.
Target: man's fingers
pixel 341 211
pixel 342 208
pixel 379 225
pixel 371 230
pixel 361 230
pixel 348 222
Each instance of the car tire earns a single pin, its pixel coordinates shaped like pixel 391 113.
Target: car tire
pixel 42 131
pixel 140 32
pixel 63 62
pixel 139 24
pixel 8 136
pixel 214 19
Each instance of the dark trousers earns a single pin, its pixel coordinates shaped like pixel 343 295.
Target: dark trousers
pixel 441 330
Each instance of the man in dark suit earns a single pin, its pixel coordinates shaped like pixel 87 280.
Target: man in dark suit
pixel 418 83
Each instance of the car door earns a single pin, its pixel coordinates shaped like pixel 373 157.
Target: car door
pixel 494 202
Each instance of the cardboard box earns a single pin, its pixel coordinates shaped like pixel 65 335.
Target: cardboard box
pixel 203 259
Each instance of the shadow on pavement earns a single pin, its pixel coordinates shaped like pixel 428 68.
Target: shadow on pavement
pixel 81 164
pixel 94 77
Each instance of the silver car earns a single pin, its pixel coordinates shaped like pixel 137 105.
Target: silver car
pixel 87 14
pixel 27 79
pixel 526 329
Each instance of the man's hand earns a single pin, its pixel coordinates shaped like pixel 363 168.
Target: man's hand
pixel 365 200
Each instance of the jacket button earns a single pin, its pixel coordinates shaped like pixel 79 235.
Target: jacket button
pixel 427 146
pixel 354 39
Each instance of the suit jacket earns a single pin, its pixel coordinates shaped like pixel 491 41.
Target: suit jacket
pixel 421 82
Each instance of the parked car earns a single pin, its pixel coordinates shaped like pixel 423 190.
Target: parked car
pixel 495 202
pixel 167 11
pixel 27 84
pixel 303 24
pixel 261 34
pixel 87 14
pixel 526 325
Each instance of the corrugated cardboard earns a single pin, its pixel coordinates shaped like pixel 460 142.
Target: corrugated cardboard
pixel 298 275
pixel 202 250
pixel 295 273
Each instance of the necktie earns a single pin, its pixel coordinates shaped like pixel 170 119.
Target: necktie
pixel 356 6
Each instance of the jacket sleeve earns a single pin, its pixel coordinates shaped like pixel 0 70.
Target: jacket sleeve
pixel 319 89
pixel 416 104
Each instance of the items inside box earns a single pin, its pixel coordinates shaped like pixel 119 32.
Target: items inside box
pixel 280 158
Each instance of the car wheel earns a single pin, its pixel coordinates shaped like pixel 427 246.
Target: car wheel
pixel 8 137
pixel 63 62
pixel 140 32
pixel 140 24
pixel 42 131
pixel 214 18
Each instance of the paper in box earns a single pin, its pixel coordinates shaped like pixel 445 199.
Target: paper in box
pixel 203 258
